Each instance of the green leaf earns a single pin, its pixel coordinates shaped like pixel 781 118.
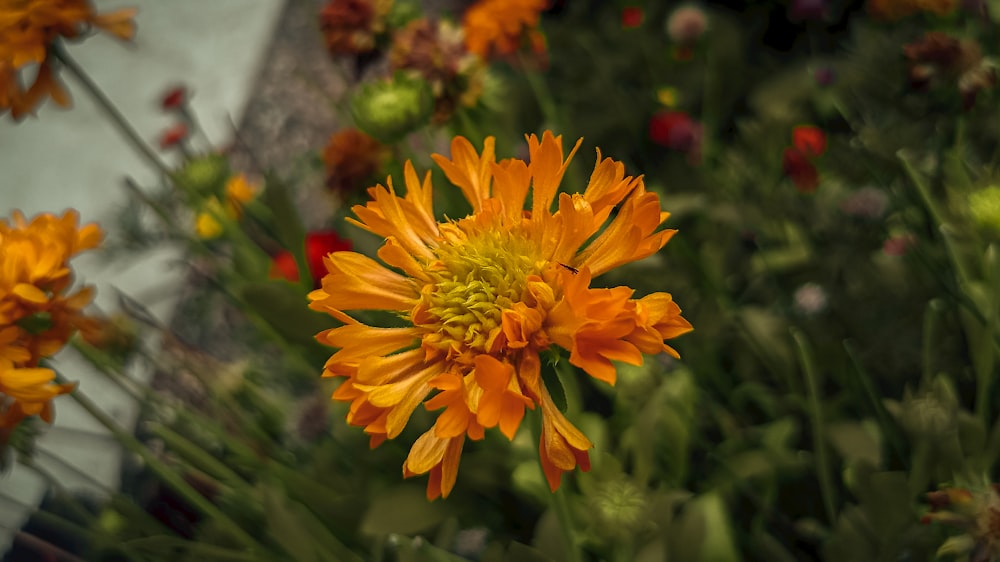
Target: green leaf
pixel 856 441
pixel 286 225
pixel 402 510
pixel 299 533
pixel 285 308
pixel 160 546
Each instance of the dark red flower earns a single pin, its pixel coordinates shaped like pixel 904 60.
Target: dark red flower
pixel 173 136
pixel 174 98
pixel 809 140
pixel 318 244
pixel 800 169
pixel 632 17
pixel 676 130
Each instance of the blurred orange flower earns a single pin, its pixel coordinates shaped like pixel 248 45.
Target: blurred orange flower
pixel 38 312
pixel 496 27
pixel 28 28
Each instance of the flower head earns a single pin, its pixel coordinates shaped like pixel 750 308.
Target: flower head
pixel 238 192
pixel 497 27
pixel 174 98
pixel 974 510
pixel 28 28
pixel 390 109
pixel 686 25
pixel 632 16
pixel 678 131
pixel 798 160
pixel 352 158
pixel 38 311
pixel 484 295
pixel 352 26
pixel 435 51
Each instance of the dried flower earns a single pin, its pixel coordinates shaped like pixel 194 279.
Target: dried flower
pixel 352 158
pixel 435 51
pixel 352 26
pixel 975 511
pixel 485 295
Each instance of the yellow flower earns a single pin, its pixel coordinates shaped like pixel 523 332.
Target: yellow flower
pixel 239 192
pixel 496 26
pixel 28 28
pixel 482 296
pixel 38 313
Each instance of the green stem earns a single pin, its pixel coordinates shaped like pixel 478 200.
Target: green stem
pixel 109 108
pixel 823 473
pixel 559 503
pixel 168 476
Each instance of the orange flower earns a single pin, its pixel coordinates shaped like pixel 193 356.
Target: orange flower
pixel 483 295
pixel 28 28
pixel 496 27
pixel 38 314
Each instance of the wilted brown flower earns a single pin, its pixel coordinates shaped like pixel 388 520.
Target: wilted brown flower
pixel 938 57
pixel 436 51
pixel 352 158
pixel 351 26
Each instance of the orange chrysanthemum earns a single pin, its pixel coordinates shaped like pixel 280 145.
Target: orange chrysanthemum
pixel 38 313
pixel 484 295
pixel 28 28
pixel 498 26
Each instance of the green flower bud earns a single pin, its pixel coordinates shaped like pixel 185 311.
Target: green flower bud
pixel 389 110
pixel 619 507
pixel 203 174
pixel 984 205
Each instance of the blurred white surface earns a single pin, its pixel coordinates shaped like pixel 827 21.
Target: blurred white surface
pixel 76 159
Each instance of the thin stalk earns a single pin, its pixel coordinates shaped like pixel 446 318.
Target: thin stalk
pixel 884 419
pixel 109 108
pixel 823 473
pixel 168 476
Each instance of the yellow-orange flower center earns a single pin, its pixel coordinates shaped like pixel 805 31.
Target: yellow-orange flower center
pixel 476 277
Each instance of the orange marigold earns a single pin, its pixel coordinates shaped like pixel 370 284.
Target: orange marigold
pixel 484 295
pixel 498 26
pixel 28 28
pixel 38 312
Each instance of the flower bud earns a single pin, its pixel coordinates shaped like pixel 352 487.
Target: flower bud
pixel 391 109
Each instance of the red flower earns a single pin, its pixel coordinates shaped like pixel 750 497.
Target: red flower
pixel 898 245
pixel 676 130
pixel 318 244
pixel 632 17
pixel 174 98
pixel 808 143
pixel 809 140
pixel 173 136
